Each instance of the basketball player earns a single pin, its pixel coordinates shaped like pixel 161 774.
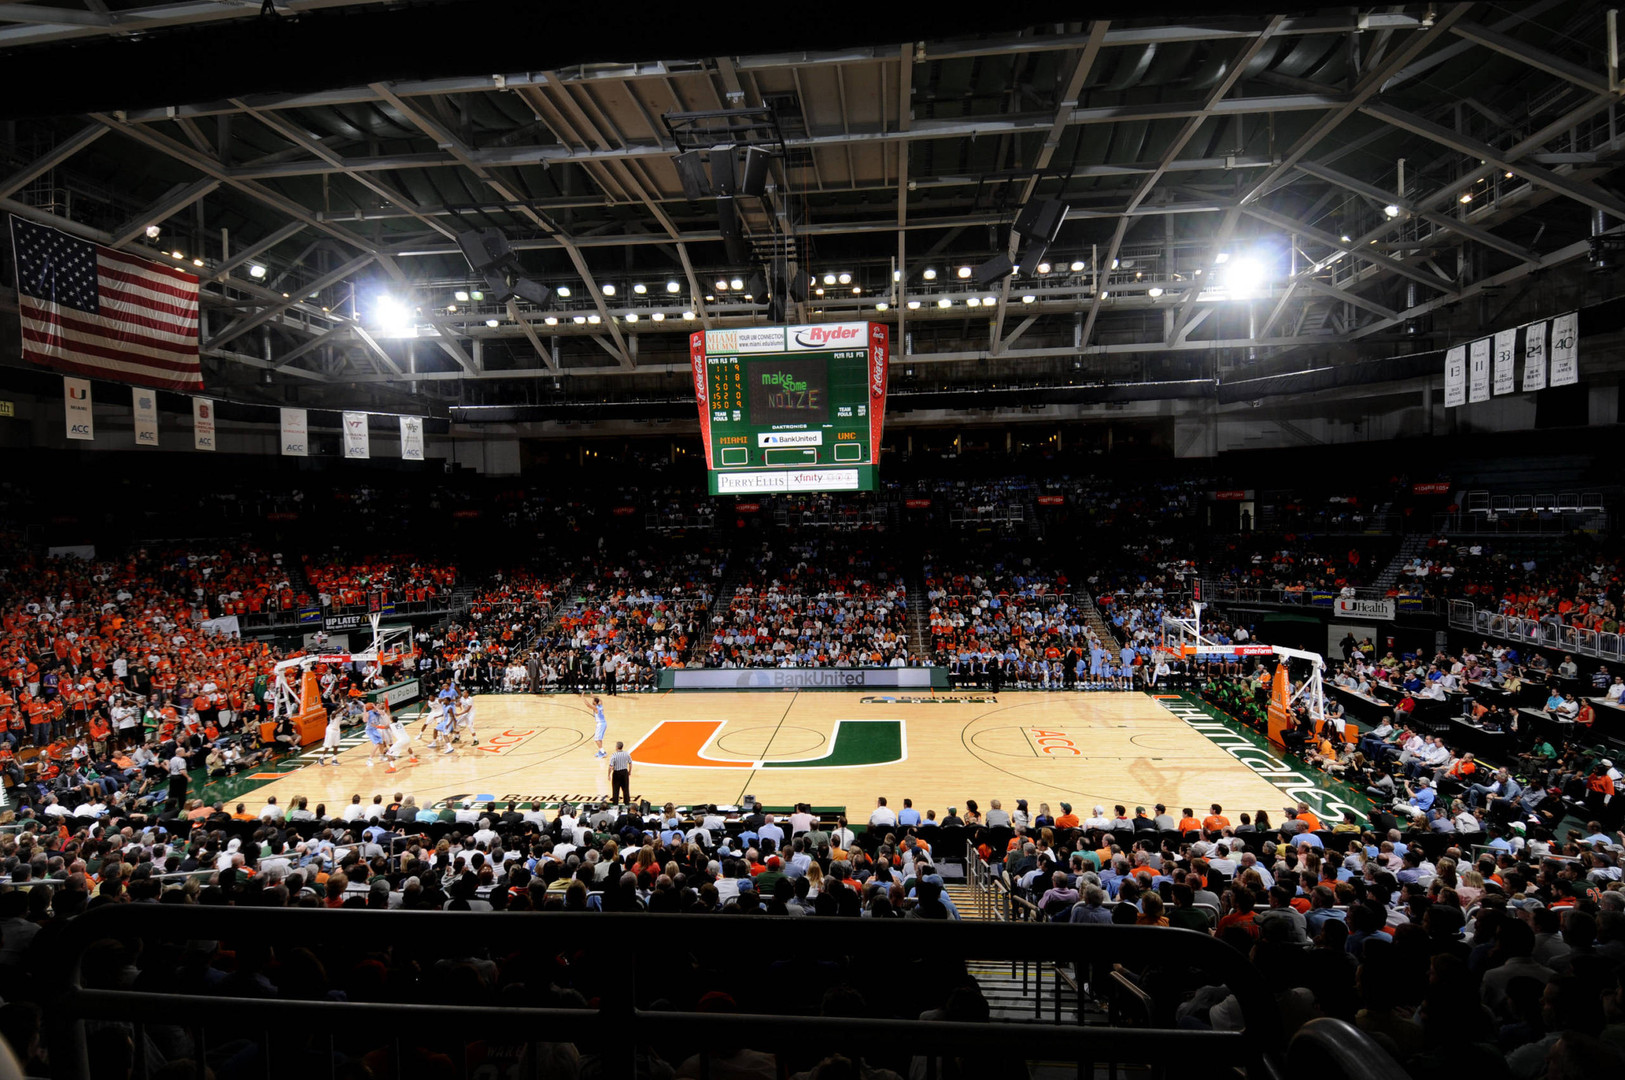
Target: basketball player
pixel 400 746
pixel 377 733
pixel 443 722
pixel 600 725
pixel 329 753
pixel 465 716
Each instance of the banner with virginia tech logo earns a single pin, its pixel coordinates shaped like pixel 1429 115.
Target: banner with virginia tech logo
pixel 356 443
pixel 295 433
pixel 145 404
pixel 76 401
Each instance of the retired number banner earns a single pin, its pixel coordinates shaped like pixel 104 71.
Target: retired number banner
pixel 1478 370
pixel 1455 377
pixel 1505 360
pixel 1534 357
pixel 1565 350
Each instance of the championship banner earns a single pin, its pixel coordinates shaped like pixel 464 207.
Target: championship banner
pixel 202 424
pixel 145 404
pixel 1455 377
pixel 356 444
pixel 1505 360
pixel 76 400
pixel 411 438
pixel 295 433
pixel 1565 350
pixel 1534 357
pixel 1478 370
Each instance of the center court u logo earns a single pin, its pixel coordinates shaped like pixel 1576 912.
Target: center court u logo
pixel 681 744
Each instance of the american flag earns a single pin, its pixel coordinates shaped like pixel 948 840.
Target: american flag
pixel 93 311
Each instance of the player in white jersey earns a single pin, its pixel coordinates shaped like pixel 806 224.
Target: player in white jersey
pixel 600 725
pixel 400 745
pixel 465 717
pixel 329 752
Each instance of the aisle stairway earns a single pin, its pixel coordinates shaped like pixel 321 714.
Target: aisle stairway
pixel 919 619
pixel 1412 546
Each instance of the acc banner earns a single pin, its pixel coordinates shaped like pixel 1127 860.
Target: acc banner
pixel 1565 350
pixel 202 424
pixel 145 403
pixel 1478 370
pixel 1455 377
pixel 1534 357
pixel 295 433
pixel 411 438
pixel 76 401
pixel 356 443
pixel 1505 359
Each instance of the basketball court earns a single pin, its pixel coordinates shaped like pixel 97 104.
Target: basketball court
pixel 821 747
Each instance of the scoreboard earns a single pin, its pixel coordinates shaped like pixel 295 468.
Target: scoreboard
pixel 791 408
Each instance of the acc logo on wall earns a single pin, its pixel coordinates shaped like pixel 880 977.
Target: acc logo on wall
pixel 682 744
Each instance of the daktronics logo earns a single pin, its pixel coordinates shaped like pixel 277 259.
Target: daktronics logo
pixel 812 337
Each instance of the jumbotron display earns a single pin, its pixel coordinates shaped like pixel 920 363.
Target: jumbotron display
pixel 791 408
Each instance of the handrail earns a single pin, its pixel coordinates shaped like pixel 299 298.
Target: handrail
pixel 618 942
pixel 1350 1052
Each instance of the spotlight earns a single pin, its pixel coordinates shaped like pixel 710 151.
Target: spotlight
pixel 963 272
pixel 640 288
pixel 631 316
pixel 152 230
pixel 818 291
pixel 595 320
pixel 551 320
pixel 177 255
pixel 1466 197
pixel 476 294
pixel 945 302
pixel 1221 258
pixel 930 274
pixel 460 295
pixel 256 271
pixel 989 301
pixel 736 283
pixel 882 306
pixel 1154 291
pixel 897 275
pixel 564 291
pixel 1508 176
pixel 722 284
pixel 1246 277
pixel 1078 264
pixel 197 262
pixel 493 323
pixel 391 316
pixel 673 287
pixel 580 320
pixel 857 290
pixel 973 302
pixel 659 316
pixel 607 290
pixel 451 307
pixel 914 305
pixel 1029 298
pixel 845 279
pixel 688 316
pixel 1345 238
pixel 1391 210
pixel 1043 268
pixel 829 279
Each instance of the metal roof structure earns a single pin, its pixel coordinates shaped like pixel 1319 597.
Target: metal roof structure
pixel 1242 191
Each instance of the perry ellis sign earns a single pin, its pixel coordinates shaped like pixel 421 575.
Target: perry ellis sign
pixel 1365 609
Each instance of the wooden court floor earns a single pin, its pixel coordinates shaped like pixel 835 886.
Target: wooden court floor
pixel 821 747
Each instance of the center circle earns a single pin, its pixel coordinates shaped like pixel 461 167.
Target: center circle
pixel 753 742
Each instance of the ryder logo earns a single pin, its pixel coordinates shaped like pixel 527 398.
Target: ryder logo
pixel 812 337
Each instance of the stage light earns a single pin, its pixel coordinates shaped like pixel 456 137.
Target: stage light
pixel 197 262
pixel 1345 238
pixel 391 317
pixel 256 271
pixel 1508 176
pixel 857 290
pixel 818 291
pixel 722 284
pixel 736 283
pixel 688 316
pixel 845 279
pixel 829 279
pixel 989 301
pixel 710 299
pixel 607 290
pixel 1043 268
pixel 460 295
pixel 1391 210
pixel 945 302
pixel 177 255
pixel 673 287
pixel 1246 277
pixel 564 291
pixel 152 230
pixel 1029 298
pixel 882 306
pixel 1466 197
pixel 914 305
pixel 493 323
pixel 580 320
pixel 476 294
pixel 897 275
pixel 1221 258
pixel 973 302
pixel 1078 264
pixel 631 316
pixel 659 316
pixel 963 272
pixel 594 319
pixel 640 288
pixel 551 320
pixel 930 274
pixel 1154 291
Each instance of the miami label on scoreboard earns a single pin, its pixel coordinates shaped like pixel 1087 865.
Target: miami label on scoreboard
pixel 791 408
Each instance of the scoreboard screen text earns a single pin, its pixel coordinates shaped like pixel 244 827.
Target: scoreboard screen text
pixel 791 408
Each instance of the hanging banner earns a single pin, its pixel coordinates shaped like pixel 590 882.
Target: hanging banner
pixel 411 438
pixel 1534 357
pixel 1455 377
pixel 202 424
pixel 356 444
pixel 1505 360
pixel 145 403
pixel 1565 350
pixel 76 398
pixel 1478 370
pixel 295 433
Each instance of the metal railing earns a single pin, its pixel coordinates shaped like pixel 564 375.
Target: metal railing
pixel 1548 633
pixel 626 1019
pixel 1220 592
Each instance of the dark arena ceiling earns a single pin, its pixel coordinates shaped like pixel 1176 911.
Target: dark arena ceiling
pixel 1247 192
